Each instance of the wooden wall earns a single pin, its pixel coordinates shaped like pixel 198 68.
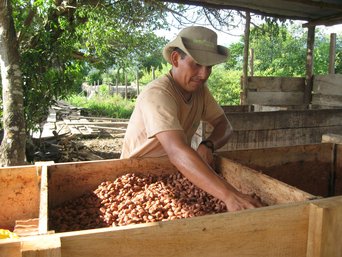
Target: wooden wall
pixel 285 91
pixel 275 90
pixel 327 90
pixel 255 130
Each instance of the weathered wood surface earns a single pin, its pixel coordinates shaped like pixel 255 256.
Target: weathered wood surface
pixel 256 130
pixel 327 90
pixel 275 98
pixel 275 84
pixel 328 84
pixel 275 90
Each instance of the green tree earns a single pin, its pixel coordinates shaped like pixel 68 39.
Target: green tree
pixel 282 51
pixel 59 40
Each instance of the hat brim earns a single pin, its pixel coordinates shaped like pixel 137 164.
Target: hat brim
pixel 201 57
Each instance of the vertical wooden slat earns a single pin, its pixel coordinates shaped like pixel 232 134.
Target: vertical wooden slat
pixel 324 230
pixel 332 53
pixel 309 64
pixel 245 59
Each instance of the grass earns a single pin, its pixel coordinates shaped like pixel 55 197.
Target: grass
pixel 104 105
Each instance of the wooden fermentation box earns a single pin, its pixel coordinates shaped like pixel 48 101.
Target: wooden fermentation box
pixel 295 223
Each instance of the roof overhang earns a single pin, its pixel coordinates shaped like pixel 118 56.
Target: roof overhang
pixel 315 12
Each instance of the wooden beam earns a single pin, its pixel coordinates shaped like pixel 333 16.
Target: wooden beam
pixel 244 95
pixel 309 64
pixel 332 53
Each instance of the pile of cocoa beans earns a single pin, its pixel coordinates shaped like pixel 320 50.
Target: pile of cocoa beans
pixel 135 198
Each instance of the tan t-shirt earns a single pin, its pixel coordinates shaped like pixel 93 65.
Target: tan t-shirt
pixel 161 107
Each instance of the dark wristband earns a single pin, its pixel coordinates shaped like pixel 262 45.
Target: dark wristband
pixel 208 144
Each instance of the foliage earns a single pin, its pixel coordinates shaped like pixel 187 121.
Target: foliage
pixel 60 41
pixel 225 85
pixel 104 105
pixel 282 51
pixel 148 76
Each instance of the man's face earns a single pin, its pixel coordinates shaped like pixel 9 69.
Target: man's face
pixel 189 74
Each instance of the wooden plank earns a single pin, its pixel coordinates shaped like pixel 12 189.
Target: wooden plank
pixel 240 234
pixel 43 203
pixel 249 181
pixel 276 138
pixel 19 196
pixel 327 100
pixel 332 138
pixel 70 180
pixel 28 227
pixel 276 84
pixel 325 226
pixel 338 170
pixel 275 156
pixel 328 84
pixel 285 119
pixel 275 98
pixel 307 167
pixel 10 248
pixel 41 246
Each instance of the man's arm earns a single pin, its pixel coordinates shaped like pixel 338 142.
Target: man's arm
pixel 194 168
pixel 219 137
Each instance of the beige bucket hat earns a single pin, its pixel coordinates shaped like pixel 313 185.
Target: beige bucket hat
pixel 200 43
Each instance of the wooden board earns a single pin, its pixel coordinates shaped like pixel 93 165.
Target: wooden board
pixel 285 119
pixel 249 181
pixel 327 100
pixel 328 84
pixel 256 130
pixel 276 84
pixel 230 234
pixel 275 98
pixel 304 229
pixel 19 195
pixel 315 168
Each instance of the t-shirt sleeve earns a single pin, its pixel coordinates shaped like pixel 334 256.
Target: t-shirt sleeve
pixel 159 112
pixel 212 110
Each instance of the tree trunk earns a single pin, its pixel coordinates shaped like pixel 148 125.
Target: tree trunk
pixel 12 150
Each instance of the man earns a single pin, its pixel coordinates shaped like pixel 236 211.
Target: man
pixel 169 110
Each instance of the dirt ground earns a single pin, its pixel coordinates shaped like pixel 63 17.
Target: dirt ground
pixel 74 149
pixel 107 148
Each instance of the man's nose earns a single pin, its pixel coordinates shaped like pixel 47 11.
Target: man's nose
pixel 204 72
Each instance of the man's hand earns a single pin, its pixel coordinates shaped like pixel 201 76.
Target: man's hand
pixel 238 201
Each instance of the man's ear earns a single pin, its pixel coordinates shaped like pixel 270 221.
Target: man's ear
pixel 174 57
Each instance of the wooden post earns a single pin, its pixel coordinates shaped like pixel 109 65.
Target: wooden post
pixel 117 85
pixel 332 53
pixel 309 65
pixel 244 95
pixel 251 62
pixel 153 73
pixel 126 86
pixel 137 82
